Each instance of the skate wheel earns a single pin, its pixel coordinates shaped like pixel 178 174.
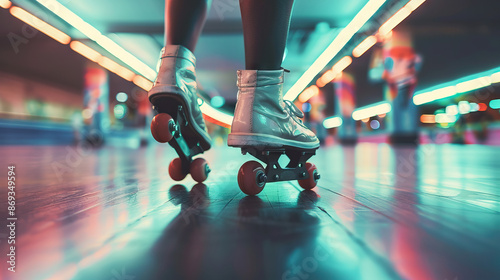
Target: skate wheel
pixel 175 170
pixel 199 170
pixel 310 182
pixel 252 178
pixel 160 127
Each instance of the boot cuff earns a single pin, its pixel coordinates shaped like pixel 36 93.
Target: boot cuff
pixel 177 51
pixel 253 78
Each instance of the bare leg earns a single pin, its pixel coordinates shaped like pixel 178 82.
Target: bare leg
pixel 184 20
pixel 265 29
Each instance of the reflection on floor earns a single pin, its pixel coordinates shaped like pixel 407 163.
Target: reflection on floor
pixel 379 212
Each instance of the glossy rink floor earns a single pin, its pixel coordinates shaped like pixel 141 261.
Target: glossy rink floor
pixel 379 212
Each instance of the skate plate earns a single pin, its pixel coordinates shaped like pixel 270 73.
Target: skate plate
pixel 252 177
pixel 294 170
pixel 185 150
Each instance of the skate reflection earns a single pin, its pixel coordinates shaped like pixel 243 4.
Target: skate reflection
pixel 177 254
pixel 196 198
pixel 247 240
pixel 307 200
pixel 273 239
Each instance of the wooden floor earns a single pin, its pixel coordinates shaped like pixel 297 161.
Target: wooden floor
pixel 380 212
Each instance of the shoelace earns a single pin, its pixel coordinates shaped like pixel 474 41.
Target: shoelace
pixel 294 110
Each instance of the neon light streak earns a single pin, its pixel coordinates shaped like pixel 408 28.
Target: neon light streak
pixel 335 47
pixel 372 110
pixel 5 4
pixel 364 46
pixel 332 122
pixel 41 25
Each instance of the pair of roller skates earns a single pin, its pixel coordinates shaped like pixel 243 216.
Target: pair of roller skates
pixel 264 125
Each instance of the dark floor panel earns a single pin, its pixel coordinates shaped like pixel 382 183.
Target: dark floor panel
pixel 379 212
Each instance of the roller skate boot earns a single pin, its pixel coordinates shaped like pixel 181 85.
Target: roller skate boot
pixel 267 127
pixel 178 119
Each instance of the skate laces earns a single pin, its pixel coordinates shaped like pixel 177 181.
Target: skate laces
pixel 294 110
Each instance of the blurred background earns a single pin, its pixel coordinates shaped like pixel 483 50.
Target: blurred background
pixel 363 71
pixel 74 75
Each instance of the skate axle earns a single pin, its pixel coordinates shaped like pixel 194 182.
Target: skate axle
pixel 180 145
pixel 172 124
pixel 165 128
pixel 294 170
pixel 252 177
pixel 181 117
pixel 262 178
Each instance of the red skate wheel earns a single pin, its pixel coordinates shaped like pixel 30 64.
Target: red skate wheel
pixel 252 178
pixel 199 170
pixel 310 182
pixel 175 170
pixel 160 127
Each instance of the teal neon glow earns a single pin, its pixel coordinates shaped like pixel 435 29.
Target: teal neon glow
pixel 217 101
pixel 71 18
pixel 495 78
pixel 132 61
pixel 121 97
pixel 474 107
pixel 120 111
pixel 102 40
pixel 371 110
pixel 334 48
pixel 464 107
pixel 474 84
pixel 445 118
pixel 332 122
pixel 495 104
pixel 452 110
pixel 455 87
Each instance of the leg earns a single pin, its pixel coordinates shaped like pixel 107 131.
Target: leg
pixel 265 29
pixel 184 20
pixel 262 117
pixel 178 119
pixel 265 125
